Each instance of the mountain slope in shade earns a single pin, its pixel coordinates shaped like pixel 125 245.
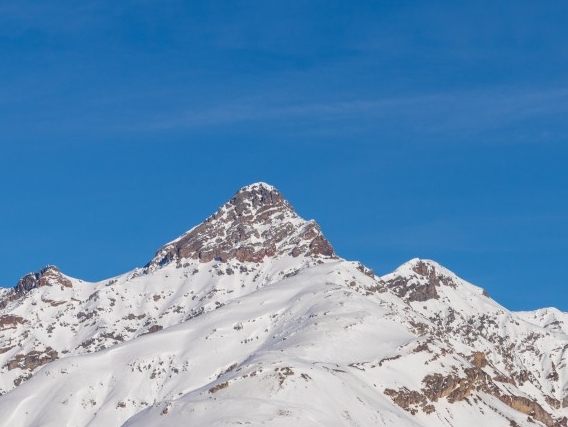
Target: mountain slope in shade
pixel 250 318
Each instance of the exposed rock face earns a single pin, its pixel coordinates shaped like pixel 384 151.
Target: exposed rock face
pixel 8 321
pixel 456 388
pixel 479 360
pixel 404 288
pixel 421 285
pixel 48 276
pixel 256 223
pixel 33 359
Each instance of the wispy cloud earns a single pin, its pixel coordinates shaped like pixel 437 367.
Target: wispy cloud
pixel 471 111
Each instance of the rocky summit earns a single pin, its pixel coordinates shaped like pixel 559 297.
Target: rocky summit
pixel 256 223
pixel 250 318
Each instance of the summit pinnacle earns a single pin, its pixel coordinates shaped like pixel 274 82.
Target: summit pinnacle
pixel 257 222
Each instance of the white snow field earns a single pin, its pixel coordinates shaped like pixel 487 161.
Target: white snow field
pixel 251 319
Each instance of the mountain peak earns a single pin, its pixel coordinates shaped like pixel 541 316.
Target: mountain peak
pixel 48 276
pixel 425 267
pixel 418 280
pixel 256 197
pixel 258 186
pixel 257 222
pixel 423 279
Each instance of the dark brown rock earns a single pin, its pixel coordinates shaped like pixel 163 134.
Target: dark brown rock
pixel 415 287
pixel 457 388
pixel 409 400
pixel 33 359
pixel 155 328
pixel 48 276
pixel 409 290
pixel 529 407
pixel 429 271
pixel 9 321
pixel 218 387
pixel 256 223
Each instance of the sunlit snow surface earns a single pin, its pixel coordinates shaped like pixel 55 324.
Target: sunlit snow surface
pixel 288 342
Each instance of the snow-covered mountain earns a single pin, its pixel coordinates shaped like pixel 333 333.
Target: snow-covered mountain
pixel 250 318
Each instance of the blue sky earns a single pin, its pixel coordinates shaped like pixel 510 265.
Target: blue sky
pixel 405 128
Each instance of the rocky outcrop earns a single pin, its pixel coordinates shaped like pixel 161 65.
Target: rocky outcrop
pixel 531 408
pixel 455 388
pixel 33 359
pixel 421 283
pixel 9 321
pixel 256 223
pixel 409 291
pixel 48 276
pixel 479 360
pixel 409 400
pixel 428 270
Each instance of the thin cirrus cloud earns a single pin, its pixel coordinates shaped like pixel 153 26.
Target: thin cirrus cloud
pixel 474 111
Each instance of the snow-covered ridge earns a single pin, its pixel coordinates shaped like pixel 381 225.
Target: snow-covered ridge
pixel 422 280
pixel 550 318
pixel 251 319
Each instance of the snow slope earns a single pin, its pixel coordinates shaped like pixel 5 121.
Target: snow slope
pixel 251 319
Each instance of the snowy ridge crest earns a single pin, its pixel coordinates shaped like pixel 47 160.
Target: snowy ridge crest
pixel 422 280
